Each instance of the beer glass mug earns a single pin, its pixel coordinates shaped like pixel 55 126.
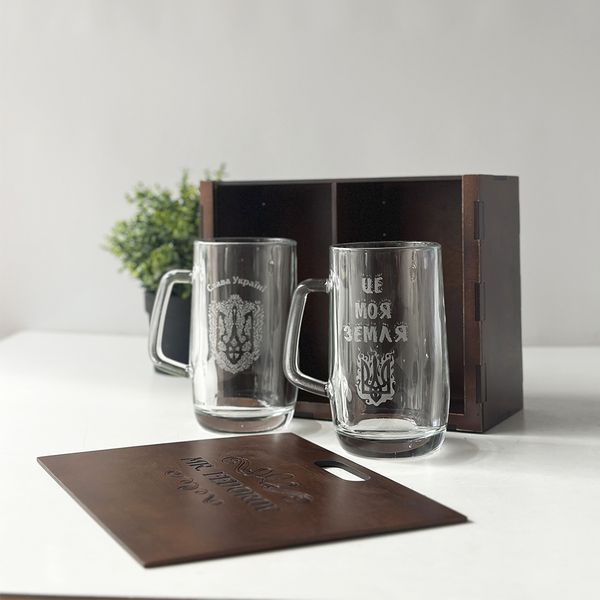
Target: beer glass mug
pixel 241 290
pixel 388 364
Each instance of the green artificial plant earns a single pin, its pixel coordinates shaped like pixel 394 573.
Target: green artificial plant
pixel 160 234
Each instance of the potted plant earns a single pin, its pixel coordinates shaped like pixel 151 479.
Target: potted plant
pixel 159 237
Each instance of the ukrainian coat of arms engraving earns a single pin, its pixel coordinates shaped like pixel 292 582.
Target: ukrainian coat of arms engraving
pixel 235 332
pixel 375 382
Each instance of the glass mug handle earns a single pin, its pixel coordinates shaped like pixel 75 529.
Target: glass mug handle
pixel 157 322
pixel 292 337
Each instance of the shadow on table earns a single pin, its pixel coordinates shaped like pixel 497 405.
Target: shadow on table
pixel 305 426
pixel 551 416
pixel 456 450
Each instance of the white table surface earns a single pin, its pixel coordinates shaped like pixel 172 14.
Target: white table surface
pixel 530 487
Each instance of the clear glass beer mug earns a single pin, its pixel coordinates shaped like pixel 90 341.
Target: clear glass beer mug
pixel 241 291
pixel 388 372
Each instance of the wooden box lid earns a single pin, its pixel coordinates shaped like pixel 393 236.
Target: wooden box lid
pixel 184 501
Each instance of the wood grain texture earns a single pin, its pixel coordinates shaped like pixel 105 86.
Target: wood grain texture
pixel 186 501
pixel 476 220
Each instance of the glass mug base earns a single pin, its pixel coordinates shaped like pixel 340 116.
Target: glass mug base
pixel 390 444
pixel 244 415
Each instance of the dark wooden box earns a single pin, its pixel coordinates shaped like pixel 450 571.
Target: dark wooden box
pixel 476 220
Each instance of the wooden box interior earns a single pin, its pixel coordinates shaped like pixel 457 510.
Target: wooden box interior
pixel 415 210
pixel 320 213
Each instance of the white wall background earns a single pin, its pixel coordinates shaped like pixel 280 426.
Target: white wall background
pixel 98 94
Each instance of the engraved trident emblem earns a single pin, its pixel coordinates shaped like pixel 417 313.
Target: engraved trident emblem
pixel 375 377
pixel 239 339
pixel 235 332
